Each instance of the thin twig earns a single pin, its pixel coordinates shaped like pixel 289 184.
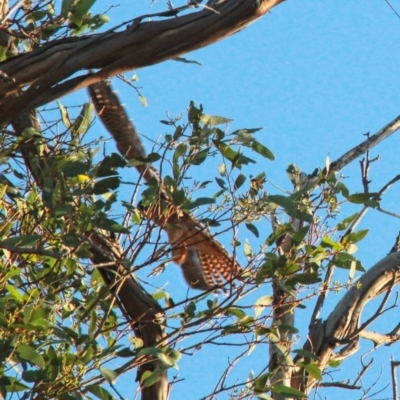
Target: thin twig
pixel 31 250
pixel 366 145
pixel 388 3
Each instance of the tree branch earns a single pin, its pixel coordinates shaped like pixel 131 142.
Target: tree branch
pixel 366 145
pixel 344 321
pixel 112 53
pixel 146 315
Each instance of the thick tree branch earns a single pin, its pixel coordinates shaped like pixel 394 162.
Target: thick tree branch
pixel 112 53
pixel 343 323
pixel 31 250
pixel 381 338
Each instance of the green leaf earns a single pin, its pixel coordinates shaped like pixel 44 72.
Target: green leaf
pixel 199 158
pixel 262 331
pixel 108 374
pixel 248 251
pixel 334 363
pixel 66 396
pixel 264 396
pixel 226 151
pixel 221 183
pixel 83 250
pixel 29 133
pixel 52 364
pixel 290 207
pixel 12 385
pixel 346 222
pixel 98 20
pixel 252 229
pixel 356 236
pixel 201 201
pixel 308 278
pixel 214 120
pixel 23 241
pixel 212 304
pixel 143 100
pixel 99 392
pixel 261 382
pixel 72 169
pixel 190 309
pixel 39 322
pixel 306 354
pixel 313 370
pixel 178 132
pixel 239 181
pixel 288 391
pixel 93 322
pixel 262 303
pixel 125 353
pixel 149 378
pixel 82 123
pixel 65 8
pixel 33 375
pixel 237 312
pixel 178 197
pixel 245 134
pixel 298 237
pixel 327 242
pixel 152 157
pixel 108 165
pixel 29 354
pixel 71 240
pixel 106 185
pixel 260 149
pixel 137 342
pixel 345 261
pixel 63 111
pixel 48 191
pixel 14 293
pixel 79 11
pixel 111 225
pixel 174 354
pixel 179 152
pixel 352 271
pixel 363 198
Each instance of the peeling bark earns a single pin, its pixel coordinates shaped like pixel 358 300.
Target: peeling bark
pixel 343 327
pixel 48 70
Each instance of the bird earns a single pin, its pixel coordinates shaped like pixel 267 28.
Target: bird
pixel 204 261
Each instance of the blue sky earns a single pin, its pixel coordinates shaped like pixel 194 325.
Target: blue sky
pixel 317 76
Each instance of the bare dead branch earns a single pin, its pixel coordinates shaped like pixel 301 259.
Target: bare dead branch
pixel 365 368
pixel 366 145
pixel 341 385
pixel 378 339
